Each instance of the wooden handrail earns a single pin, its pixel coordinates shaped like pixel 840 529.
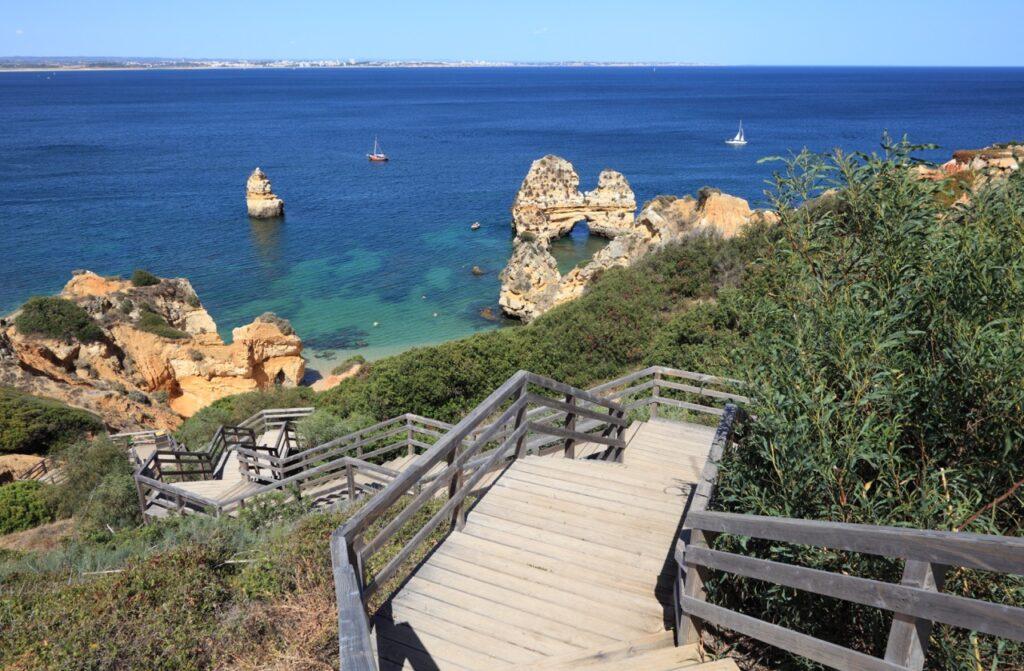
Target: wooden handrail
pixel 917 601
pixel 580 411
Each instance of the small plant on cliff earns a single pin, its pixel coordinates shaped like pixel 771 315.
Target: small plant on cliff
pixel 33 425
pixel 98 487
pixel 57 318
pixel 23 506
pixel 344 366
pixel 153 323
pixel 144 278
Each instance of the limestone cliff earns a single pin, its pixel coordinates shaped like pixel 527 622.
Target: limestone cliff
pixel 140 376
pixel 549 203
pixel 260 199
pixel 977 167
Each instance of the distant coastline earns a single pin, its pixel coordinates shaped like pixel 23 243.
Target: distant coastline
pixel 75 64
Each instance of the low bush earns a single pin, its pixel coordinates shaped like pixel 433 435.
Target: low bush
pixel 23 505
pixel 144 278
pixel 615 326
pixel 198 429
pixel 883 340
pixel 96 487
pixel 323 425
pixel 151 322
pixel 348 363
pixel 33 425
pixel 60 318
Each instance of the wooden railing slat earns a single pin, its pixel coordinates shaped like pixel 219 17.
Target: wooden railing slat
pixel 823 652
pixel 981 616
pixel 1003 554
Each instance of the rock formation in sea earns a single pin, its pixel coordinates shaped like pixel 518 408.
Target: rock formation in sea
pixel 260 199
pixel 159 357
pixel 549 204
pixel 978 167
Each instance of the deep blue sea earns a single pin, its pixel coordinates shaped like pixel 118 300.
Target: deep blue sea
pixel 113 171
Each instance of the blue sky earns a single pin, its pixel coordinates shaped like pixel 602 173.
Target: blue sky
pixel 766 32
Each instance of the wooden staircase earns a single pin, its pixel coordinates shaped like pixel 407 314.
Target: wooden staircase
pixel 562 563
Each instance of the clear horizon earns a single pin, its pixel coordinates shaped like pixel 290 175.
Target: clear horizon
pixel 741 32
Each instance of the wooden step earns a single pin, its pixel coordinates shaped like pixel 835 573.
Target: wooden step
pixel 616 651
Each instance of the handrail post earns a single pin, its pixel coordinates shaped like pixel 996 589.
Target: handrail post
pixel 454 485
pixel 570 425
pixel 689 582
pixel 408 436
pixel 908 636
pixel 520 419
pixel 655 394
pixel 142 500
pixel 351 478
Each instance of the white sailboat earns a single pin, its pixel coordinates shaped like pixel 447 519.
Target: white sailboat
pixel 739 140
pixel 378 155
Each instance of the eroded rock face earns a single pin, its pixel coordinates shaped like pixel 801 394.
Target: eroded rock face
pixel 133 378
pixel 977 167
pixel 260 199
pixel 529 283
pixel 549 204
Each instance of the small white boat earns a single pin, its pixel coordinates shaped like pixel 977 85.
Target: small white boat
pixel 378 155
pixel 739 140
pixel 474 226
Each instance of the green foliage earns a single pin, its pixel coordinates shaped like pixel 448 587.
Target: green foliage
pixel 323 425
pixel 144 278
pixel 194 593
pixel 198 429
pixel 54 317
pixel 151 322
pixel 348 363
pixel 23 505
pixel 884 339
pixel 97 487
pixel 609 330
pixel 33 425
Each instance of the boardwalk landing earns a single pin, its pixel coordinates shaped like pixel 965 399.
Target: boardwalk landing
pixel 563 563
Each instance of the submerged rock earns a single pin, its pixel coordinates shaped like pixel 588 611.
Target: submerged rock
pixel 260 199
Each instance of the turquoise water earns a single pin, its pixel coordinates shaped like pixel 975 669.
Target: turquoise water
pixel 116 170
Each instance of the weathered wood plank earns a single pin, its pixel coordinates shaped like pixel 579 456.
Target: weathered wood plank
pixel 1003 554
pixel 910 598
pixel 812 648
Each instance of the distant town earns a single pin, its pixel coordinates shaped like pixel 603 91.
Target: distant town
pixel 124 63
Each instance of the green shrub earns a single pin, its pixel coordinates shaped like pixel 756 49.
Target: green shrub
pixel 198 429
pixel 57 318
pixel 97 475
pixel 323 425
pixel 33 425
pixel 883 339
pixel 144 278
pixel 611 329
pixel 23 505
pixel 348 363
pixel 151 322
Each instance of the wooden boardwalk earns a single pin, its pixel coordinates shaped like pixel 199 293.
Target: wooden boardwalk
pixel 562 563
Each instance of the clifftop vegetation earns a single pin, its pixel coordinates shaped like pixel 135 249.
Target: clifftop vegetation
pixel 881 330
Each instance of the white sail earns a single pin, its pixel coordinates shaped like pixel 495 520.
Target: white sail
pixel 739 138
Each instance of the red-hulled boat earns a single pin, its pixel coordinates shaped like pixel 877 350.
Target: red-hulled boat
pixel 377 156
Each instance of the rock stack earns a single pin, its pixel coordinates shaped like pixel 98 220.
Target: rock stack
pixel 549 204
pixel 260 199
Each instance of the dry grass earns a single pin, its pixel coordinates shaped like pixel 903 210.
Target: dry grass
pixel 39 539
